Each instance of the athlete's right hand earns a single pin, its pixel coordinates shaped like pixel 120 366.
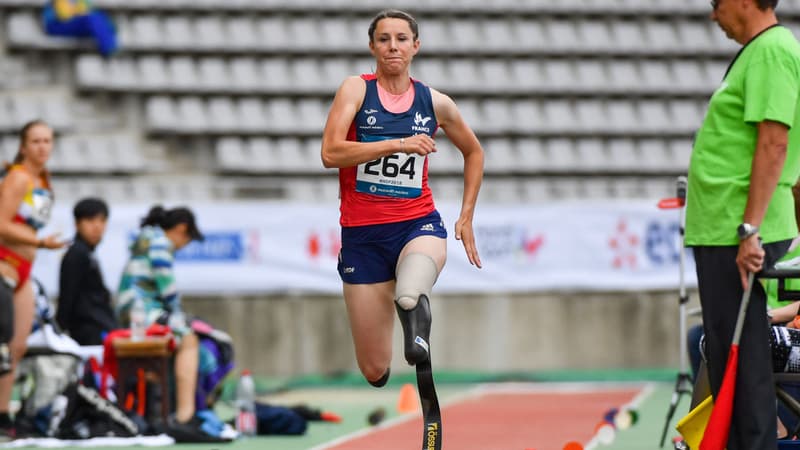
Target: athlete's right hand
pixel 52 242
pixel 420 144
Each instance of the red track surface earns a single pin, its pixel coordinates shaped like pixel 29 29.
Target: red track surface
pixel 505 421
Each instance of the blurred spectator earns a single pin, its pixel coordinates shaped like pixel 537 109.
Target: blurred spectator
pixel 77 18
pixel 84 302
pixel 149 275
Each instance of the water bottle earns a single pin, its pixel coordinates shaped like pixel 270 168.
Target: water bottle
pixel 138 320
pixel 246 404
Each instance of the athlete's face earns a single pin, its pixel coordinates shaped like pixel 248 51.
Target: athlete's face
pixel 393 45
pixel 38 144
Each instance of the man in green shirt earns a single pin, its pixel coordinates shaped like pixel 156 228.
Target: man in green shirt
pixel 745 159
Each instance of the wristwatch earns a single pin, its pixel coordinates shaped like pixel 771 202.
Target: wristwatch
pixel 746 230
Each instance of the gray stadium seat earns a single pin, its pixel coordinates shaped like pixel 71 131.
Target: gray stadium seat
pixel 661 35
pixel 178 33
pixel 273 33
pixel 624 76
pixel 161 113
pixel 222 115
pixel 592 116
pixel 209 32
pixel 528 74
pixel 230 154
pixel 590 155
pixel 623 155
pixel 244 74
pixel 629 36
pixel 653 116
pixel 561 74
pixel 122 74
pixel 559 116
pixel 500 156
pixel 252 115
pixel 213 74
pixel 152 72
pixel 183 74
pixel 498 34
pixel 242 33
pixel 532 156
pixel 563 35
pixel 276 73
pixel 594 35
pixel 446 159
pixel 145 31
pixel 657 76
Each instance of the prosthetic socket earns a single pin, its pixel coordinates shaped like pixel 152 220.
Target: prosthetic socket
pixel 416 274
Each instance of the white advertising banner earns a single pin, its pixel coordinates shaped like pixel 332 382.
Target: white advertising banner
pixel 264 247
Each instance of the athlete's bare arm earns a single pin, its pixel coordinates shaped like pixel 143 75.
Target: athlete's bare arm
pixel 462 136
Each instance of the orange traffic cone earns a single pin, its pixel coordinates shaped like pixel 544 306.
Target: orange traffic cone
pixel 408 401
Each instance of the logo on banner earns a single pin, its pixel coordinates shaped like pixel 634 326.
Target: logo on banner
pixel 504 241
pixel 624 243
pixel 320 245
pixel 662 243
pixel 217 247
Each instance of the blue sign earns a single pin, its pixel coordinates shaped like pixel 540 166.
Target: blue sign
pixel 220 246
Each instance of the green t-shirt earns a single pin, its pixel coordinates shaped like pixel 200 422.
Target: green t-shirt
pixel 762 84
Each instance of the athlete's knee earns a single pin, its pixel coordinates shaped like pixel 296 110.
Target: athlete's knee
pixel 416 274
pixel 380 381
pixel 375 374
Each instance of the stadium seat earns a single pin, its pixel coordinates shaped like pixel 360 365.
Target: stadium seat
pixel 244 74
pixel 276 74
pixel 590 155
pixel 153 73
pixel 210 33
pixel 499 36
pixel 661 36
pixel 222 115
pixel 242 33
pixel 183 74
pixel 161 114
pixel 500 156
pixel 213 74
pixel 193 115
pixel 561 74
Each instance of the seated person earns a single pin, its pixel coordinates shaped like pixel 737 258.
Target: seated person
pixel 149 275
pixel 77 18
pixel 84 302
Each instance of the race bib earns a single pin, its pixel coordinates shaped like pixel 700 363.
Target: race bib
pixel 398 175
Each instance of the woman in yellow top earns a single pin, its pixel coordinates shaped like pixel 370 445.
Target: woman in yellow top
pixel 25 204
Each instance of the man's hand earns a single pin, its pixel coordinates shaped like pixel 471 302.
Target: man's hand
pixel 750 257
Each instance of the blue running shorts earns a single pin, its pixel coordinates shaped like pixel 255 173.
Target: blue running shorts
pixel 369 253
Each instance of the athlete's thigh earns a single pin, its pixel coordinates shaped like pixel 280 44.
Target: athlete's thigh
pixel 433 246
pixel 24 310
pixel 370 308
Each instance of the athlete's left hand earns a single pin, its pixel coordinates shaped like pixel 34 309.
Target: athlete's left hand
pixel 465 234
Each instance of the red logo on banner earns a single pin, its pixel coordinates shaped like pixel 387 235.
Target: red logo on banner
pixel 532 246
pixel 317 245
pixel 624 243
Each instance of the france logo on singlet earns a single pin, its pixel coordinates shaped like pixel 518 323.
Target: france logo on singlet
pixel 398 175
